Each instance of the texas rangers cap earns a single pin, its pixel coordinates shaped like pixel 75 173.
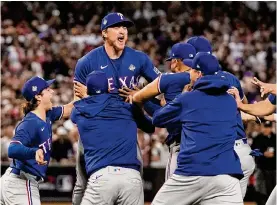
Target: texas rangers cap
pixel 34 86
pixel 200 44
pixel 182 51
pixel 206 63
pixel 188 62
pixel 97 83
pixel 115 18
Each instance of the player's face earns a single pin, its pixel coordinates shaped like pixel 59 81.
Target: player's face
pixel 116 36
pixel 46 97
pixel 194 75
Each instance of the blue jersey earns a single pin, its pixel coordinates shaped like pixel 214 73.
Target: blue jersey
pixel 209 121
pixel 234 81
pixel 124 71
pixel 172 84
pixel 108 131
pixel 272 99
pixel 33 132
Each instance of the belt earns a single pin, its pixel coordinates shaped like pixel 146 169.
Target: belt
pixel 18 172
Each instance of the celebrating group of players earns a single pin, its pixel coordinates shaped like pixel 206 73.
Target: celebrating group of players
pixel 210 161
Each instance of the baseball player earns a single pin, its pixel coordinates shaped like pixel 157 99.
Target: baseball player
pixel 170 85
pixel 209 169
pixel 262 108
pixel 242 148
pixel 30 147
pixel 108 131
pixel 123 66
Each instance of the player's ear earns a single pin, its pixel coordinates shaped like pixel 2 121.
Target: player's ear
pixel 104 33
pixel 38 97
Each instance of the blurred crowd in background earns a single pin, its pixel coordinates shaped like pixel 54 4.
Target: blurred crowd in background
pixel 47 39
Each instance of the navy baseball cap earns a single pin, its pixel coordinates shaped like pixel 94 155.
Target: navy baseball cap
pixel 182 51
pixel 188 62
pixel 206 63
pixel 34 86
pixel 115 18
pixel 97 83
pixel 200 44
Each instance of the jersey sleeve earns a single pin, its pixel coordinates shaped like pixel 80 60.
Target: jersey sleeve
pixel 149 71
pixel 24 133
pixel 55 113
pixel 170 113
pixel 82 70
pixel 272 99
pixel 166 80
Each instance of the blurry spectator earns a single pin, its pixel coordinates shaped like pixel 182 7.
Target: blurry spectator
pixel 47 38
pixel 5 141
pixel 62 150
pixel 266 164
pixel 159 152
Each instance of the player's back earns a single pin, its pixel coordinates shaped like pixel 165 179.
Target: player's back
pixel 234 81
pixel 208 130
pixel 108 132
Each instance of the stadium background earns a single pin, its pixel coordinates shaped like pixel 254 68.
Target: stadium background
pixel 47 38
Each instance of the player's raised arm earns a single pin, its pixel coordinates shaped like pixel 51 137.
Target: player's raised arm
pixel 262 108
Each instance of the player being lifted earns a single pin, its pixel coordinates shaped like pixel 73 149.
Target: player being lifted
pixel 122 65
pixel 30 147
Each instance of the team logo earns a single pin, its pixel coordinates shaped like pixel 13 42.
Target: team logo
pixel 121 15
pixel 198 66
pixel 156 70
pixel 105 21
pixel 191 55
pixel 98 91
pixel 34 88
pixel 132 67
pixel 173 54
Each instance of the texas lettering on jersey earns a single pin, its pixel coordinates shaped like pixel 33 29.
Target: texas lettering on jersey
pixel 46 146
pixel 125 81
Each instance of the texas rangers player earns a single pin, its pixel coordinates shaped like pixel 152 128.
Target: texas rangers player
pixel 208 118
pixel 170 85
pixel 262 108
pixel 30 147
pixel 108 131
pixel 123 65
pixel 243 150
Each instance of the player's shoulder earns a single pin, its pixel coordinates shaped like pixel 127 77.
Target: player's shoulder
pixel 92 54
pixel 28 123
pixel 228 75
pixel 175 77
pixel 133 51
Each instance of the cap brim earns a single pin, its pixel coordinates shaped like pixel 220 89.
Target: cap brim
pixel 126 23
pixel 50 82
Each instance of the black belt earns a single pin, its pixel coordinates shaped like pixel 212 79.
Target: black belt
pixel 17 172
